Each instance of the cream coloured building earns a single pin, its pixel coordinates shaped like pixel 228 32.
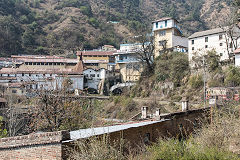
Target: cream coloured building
pixel 215 39
pixel 167 33
pixel 97 59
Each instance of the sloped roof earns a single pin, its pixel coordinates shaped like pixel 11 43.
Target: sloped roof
pixel 77 70
pixel 207 32
pixel 43 59
pixel 86 133
pixel 237 51
pixel 95 53
pixel 3 100
pixel 164 19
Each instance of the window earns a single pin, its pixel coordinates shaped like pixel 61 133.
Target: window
pixel 193 48
pixel 231 45
pixel 220 36
pixel 162 33
pixel 162 43
pixel 206 39
pixel 221 54
pixel 22 74
pixel 221 44
pixel 97 75
pixel 156 24
pixel 206 46
pixel 92 75
pixel 120 58
pixel 165 23
pixel 14 91
pixel 146 139
pixel 192 41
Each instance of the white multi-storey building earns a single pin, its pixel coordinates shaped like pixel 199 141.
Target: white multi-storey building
pixel 215 39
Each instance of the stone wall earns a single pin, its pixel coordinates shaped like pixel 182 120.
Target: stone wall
pixel 50 146
pixel 178 125
pixel 37 146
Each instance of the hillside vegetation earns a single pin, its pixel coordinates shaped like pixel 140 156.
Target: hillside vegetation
pixel 63 26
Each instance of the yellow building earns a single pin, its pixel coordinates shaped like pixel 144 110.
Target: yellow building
pixel 97 59
pixel 128 62
pixel 130 72
pixel 167 35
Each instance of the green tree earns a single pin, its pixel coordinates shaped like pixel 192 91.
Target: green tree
pixel 232 77
pixel 3 132
pixel 172 66
pixel 10 36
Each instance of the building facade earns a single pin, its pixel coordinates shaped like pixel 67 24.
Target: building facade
pixel 215 39
pixel 167 35
pixel 128 62
pixel 97 59
pixel 42 74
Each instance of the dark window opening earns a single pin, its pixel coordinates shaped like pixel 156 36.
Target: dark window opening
pixel 14 91
pixel 206 39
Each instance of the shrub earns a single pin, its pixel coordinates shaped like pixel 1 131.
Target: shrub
pixel 94 22
pixel 3 132
pixel 232 77
pixel 86 10
pixel 186 150
pixel 196 81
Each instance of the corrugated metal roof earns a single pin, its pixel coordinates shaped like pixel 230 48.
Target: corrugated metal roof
pixel 86 133
pixel 207 32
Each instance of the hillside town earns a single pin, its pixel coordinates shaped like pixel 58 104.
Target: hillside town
pixel 96 71
pixel 108 71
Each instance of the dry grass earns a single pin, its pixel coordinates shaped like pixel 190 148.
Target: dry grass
pixel 96 149
pixel 224 128
pixel 211 142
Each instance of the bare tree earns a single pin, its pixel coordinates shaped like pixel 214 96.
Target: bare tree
pixel 231 29
pixel 58 110
pixel 146 52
